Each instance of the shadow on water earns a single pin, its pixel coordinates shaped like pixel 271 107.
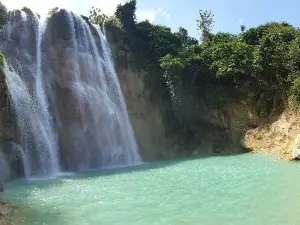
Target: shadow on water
pixel 143 167
pixel 31 184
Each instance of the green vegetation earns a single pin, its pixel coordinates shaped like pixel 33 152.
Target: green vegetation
pixel 53 11
pixel 261 62
pixel 3 20
pixel 205 24
pixel 3 15
pixel 97 17
pixel 1 59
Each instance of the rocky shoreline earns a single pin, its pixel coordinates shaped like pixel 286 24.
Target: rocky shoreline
pixel 6 213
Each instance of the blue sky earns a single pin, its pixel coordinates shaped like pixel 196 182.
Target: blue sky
pixel 229 14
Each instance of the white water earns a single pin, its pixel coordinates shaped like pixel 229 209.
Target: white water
pixel 31 126
pixel 25 161
pixel 98 133
pixel 100 102
pixel 48 134
pixel 117 95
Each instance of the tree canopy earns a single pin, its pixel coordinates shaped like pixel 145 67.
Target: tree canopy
pixel 3 15
pixel 264 59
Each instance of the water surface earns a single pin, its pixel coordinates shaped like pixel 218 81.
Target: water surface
pixel 245 189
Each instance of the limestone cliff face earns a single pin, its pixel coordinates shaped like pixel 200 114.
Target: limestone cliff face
pixel 242 124
pixel 65 57
pixel 209 130
pixel 8 157
pixel 278 136
pixel 146 115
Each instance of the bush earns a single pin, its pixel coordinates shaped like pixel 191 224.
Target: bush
pixel 295 89
pixel 263 59
pixel 3 15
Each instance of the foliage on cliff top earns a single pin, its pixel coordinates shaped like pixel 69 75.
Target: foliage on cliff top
pixel 53 11
pixel 1 59
pixel 264 60
pixel 3 21
pixel 3 15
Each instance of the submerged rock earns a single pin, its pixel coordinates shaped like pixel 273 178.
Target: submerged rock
pixel 6 213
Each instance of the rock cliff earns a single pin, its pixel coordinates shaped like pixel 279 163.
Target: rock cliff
pixel 244 123
pixel 235 127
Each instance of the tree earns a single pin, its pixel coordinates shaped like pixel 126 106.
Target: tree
pixel 97 17
pixel 205 24
pixel 243 28
pixel 183 36
pixel 53 11
pixel 234 59
pixel 224 37
pixel 3 15
pixel 126 14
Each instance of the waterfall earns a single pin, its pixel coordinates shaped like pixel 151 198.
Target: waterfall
pixel 66 96
pixel 31 125
pixel 48 134
pixel 26 165
pixel 118 99
pixel 100 103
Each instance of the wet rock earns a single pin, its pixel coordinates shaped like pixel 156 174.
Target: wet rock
pixel 296 149
pixel 6 213
pixel 11 164
pixel 60 25
pixel 195 153
pixel 1 183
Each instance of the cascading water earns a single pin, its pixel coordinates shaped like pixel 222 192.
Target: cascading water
pixel 48 134
pixel 99 100
pixel 31 126
pixel 116 94
pixel 37 138
pixel 26 165
pixel 66 95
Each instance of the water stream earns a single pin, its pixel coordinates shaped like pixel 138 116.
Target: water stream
pixel 70 110
pixel 47 135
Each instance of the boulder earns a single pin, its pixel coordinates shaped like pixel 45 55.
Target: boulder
pixel 296 149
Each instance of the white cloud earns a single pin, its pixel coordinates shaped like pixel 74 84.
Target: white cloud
pixel 166 15
pixel 83 7
pixel 107 7
pixel 38 7
pixel 77 6
pixel 241 21
pixel 151 14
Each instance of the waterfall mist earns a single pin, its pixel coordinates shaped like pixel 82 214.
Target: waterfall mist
pixel 69 107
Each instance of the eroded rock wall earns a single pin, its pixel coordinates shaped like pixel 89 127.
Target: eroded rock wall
pixel 9 163
pixel 278 136
pixel 209 130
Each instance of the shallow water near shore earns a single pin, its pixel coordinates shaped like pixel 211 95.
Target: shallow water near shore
pixel 243 189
